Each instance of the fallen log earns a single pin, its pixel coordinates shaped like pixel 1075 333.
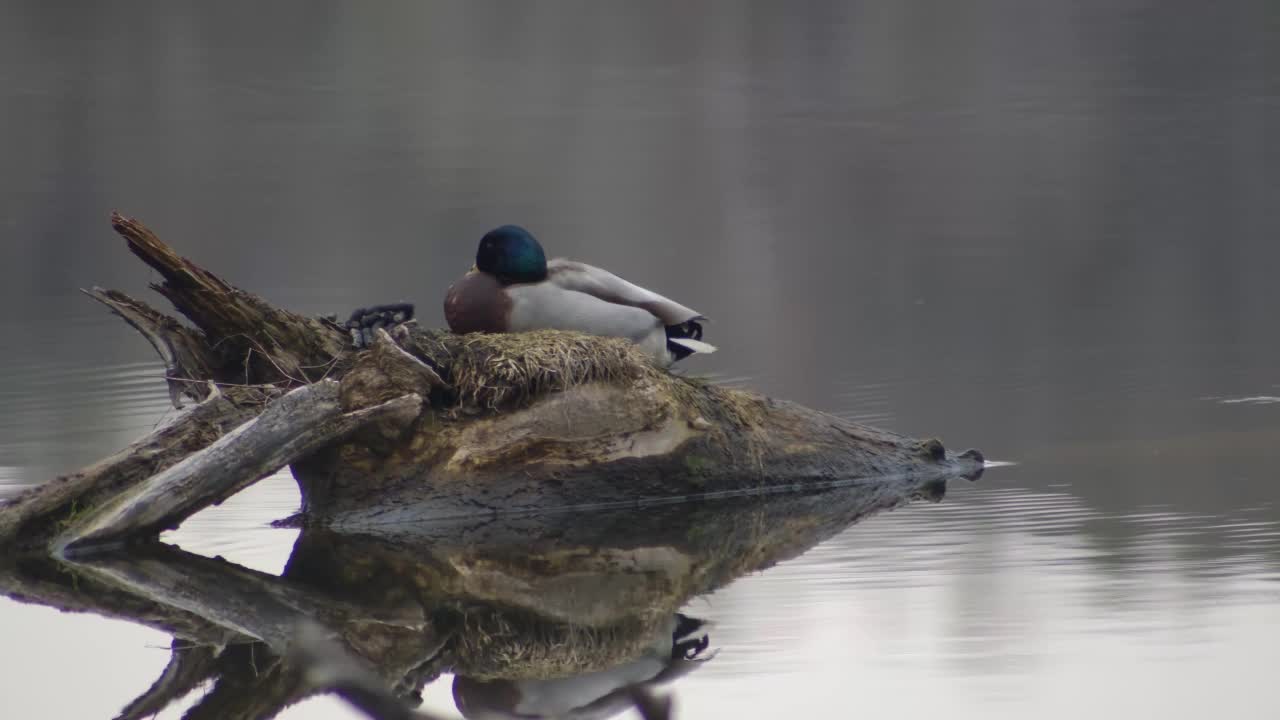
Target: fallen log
pixel 559 420
pixel 427 424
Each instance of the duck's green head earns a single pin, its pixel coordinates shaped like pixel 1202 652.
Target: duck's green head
pixel 512 254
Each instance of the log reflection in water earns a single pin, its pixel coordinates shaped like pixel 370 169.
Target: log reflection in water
pixel 573 615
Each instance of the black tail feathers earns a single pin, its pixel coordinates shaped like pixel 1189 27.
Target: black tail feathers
pixel 691 329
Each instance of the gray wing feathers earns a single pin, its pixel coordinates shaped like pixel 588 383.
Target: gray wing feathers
pixel 604 285
pixel 544 305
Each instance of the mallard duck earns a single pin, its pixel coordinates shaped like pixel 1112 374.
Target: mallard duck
pixel 514 288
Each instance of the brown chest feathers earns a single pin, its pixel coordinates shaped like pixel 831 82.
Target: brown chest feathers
pixel 476 303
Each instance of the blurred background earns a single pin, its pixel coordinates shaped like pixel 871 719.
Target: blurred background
pixel 1044 228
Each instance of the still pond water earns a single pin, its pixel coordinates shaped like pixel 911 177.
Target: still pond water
pixel 1048 230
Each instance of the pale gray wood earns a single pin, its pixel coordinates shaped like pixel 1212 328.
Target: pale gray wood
pixel 291 427
pixel 35 516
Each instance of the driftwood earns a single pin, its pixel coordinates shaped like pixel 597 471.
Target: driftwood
pixel 428 424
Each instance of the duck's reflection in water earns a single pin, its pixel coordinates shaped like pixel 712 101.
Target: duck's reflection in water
pixel 679 646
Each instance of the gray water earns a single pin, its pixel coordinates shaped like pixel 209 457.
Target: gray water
pixel 1045 229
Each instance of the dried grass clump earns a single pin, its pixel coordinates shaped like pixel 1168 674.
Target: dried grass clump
pixel 490 371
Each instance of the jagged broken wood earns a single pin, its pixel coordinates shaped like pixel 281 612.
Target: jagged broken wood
pixel 428 424
pixel 255 341
pixel 188 363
